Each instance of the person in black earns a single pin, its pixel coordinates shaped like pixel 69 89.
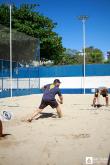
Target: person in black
pixel 50 91
pixel 103 91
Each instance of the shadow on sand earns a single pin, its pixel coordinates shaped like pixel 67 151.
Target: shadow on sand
pixel 4 136
pixel 46 115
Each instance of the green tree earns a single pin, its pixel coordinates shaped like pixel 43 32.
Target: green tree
pixel 27 20
pixel 72 57
pixel 94 55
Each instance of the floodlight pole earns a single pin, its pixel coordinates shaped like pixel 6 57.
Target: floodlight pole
pixel 83 19
pixel 11 81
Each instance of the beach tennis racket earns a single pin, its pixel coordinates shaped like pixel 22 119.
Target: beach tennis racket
pixel 6 115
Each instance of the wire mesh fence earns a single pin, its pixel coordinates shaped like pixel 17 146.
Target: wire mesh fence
pixel 25 56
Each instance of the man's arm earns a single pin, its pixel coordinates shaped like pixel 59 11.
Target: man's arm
pixel 61 99
pixel 44 87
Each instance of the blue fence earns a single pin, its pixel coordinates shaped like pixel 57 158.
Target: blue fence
pixel 75 70
pixel 58 71
pixel 27 75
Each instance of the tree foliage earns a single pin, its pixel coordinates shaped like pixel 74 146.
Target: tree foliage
pixel 26 19
pixel 71 57
pixel 94 55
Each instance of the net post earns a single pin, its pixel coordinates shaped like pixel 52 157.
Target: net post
pixel 11 51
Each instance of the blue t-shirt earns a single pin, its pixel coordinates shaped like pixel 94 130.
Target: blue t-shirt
pixel 50 91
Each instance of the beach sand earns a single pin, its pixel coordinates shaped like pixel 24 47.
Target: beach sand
pixel 83 132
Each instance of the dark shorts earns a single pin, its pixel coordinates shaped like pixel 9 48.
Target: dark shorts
pixel 52 103
pixel 104 94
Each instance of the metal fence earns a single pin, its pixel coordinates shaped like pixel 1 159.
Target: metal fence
pixel 25 54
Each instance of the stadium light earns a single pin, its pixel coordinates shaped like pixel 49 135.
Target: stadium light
pixel 83 18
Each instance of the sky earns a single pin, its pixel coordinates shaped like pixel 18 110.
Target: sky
pixel 65 13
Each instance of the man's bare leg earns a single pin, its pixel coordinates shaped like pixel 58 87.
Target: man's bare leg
pixel 35 113
pixel 94 101
pixel 59 112
pixel 1 129
pixel 106 99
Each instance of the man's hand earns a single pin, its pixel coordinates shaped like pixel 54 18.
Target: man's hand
pixel 60 101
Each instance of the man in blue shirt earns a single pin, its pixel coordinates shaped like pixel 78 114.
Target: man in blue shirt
pixel 48 98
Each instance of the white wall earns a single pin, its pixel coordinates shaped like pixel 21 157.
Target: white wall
pixel 67 82
pixel 77 82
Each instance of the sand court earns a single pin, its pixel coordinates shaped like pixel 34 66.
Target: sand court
pixel 82 132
